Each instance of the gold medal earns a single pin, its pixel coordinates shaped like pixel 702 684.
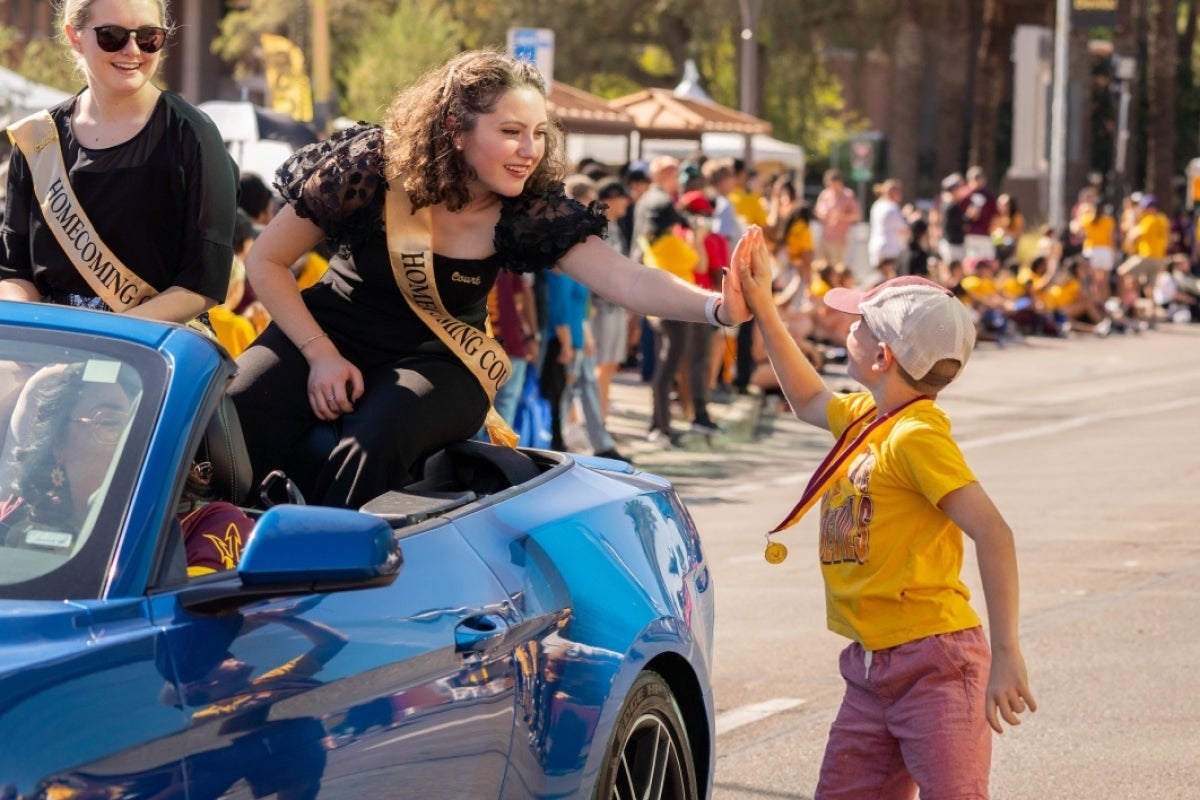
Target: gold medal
pixel 775 553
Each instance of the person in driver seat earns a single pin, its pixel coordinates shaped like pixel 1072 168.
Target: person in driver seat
pixel 214 531
pixel 66 427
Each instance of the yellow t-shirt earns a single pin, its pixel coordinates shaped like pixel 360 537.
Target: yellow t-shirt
pixel 979 287
pixel 749 206
pixel 1097 230
pixel 799 240
pixel 234 332
pixel 314 267
pixel 1064 294
pixel 890 557
pixel 1152 233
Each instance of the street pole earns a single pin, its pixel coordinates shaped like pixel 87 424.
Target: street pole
pixel 322 107
pixel 749 73
pixel 1058 116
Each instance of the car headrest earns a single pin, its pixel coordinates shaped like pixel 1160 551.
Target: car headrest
pixel 224 447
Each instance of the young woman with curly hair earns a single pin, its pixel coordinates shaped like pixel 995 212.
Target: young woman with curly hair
pixel 471 142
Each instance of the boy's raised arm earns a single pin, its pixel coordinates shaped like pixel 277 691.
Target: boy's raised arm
pixel 803 387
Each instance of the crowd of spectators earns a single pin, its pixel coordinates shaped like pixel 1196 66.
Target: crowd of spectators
pixel 1105 273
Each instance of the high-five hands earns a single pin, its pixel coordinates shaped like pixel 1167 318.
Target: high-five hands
pixel 752 265
pixel 734 306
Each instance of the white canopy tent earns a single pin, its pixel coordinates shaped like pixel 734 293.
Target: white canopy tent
pixel 763 149
pixel 259 139
pixel 616 149
pixel 20 96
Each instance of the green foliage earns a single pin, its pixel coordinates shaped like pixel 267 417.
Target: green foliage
pixel 610 49
pixel 610 85
pixel 654 60
pixel 238 41
pixel 43 61
pixel 395 49
pixel 807 107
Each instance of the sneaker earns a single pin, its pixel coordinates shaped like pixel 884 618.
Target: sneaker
pixel 1104 327
pixel 705 428
pixel 613 454
pixel 661 438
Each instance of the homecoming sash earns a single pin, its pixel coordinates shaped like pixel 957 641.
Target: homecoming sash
pixel 410 250
pixel 112 281
pixel 833 467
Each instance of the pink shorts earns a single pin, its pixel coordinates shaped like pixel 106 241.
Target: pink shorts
pixel 913 716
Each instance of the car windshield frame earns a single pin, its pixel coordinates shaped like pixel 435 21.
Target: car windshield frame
pixel 82 575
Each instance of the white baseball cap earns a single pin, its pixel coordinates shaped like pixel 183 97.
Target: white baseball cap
pixel 922 322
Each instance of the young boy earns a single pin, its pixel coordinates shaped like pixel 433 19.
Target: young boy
pixel 896 496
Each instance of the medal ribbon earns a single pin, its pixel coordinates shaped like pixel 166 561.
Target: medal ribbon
pixel 832 466
pixel 410 250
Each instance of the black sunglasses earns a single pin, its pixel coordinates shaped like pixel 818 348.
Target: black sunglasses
pixel 112 38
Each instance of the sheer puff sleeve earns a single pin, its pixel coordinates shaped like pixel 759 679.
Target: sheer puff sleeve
pixel 537 229
pixel 338 184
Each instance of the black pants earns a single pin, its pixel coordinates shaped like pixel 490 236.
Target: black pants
pixel 743 365
pixel 411 407
pixel 552 382
pixel 680 343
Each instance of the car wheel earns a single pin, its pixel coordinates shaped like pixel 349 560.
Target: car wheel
pixel 649 756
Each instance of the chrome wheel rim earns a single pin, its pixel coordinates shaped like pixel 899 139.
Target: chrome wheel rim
pixel 651 766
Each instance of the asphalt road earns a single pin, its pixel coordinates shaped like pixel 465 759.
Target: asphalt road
pixel 1091 449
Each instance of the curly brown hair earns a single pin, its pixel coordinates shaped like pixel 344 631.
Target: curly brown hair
pixel 422 121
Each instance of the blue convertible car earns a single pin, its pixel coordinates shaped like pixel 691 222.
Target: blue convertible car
pixel 516 624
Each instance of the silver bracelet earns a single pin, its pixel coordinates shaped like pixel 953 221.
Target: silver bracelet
pixel 312 339
pixel 710 310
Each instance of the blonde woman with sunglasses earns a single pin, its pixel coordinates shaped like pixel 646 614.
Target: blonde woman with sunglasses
pixel 134 210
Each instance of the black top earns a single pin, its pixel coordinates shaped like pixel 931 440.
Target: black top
pixel 953 224
pixel 338 184
pixel 164 202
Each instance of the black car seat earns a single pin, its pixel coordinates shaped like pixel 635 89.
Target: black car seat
pixel 224 448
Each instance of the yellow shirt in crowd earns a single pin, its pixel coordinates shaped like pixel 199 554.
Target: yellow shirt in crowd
pixel 749 206
pixel 1151 234
pixel 1097 229
pixel 799 240
pixel 979 287
pixel 234 332
pixel 1064 294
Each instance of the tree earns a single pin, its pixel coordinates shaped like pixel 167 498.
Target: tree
pixel 1160 98
pixel 43 61
pixel 398 47
pixel 905 146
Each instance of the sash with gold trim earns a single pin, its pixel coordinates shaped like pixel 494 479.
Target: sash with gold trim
pixel 113 282
pixel 410 250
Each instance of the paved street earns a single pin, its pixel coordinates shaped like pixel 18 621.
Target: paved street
pixel 1091 448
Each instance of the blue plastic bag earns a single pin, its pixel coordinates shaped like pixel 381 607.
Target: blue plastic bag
pixel 531 421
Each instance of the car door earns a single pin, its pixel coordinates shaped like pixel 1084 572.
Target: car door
pixel 352 693
pixel 84 708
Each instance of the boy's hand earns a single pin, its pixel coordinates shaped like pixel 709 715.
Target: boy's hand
pixel 752 262
pixel 1008 689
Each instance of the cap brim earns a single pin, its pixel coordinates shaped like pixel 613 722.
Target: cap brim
pixel 847 300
